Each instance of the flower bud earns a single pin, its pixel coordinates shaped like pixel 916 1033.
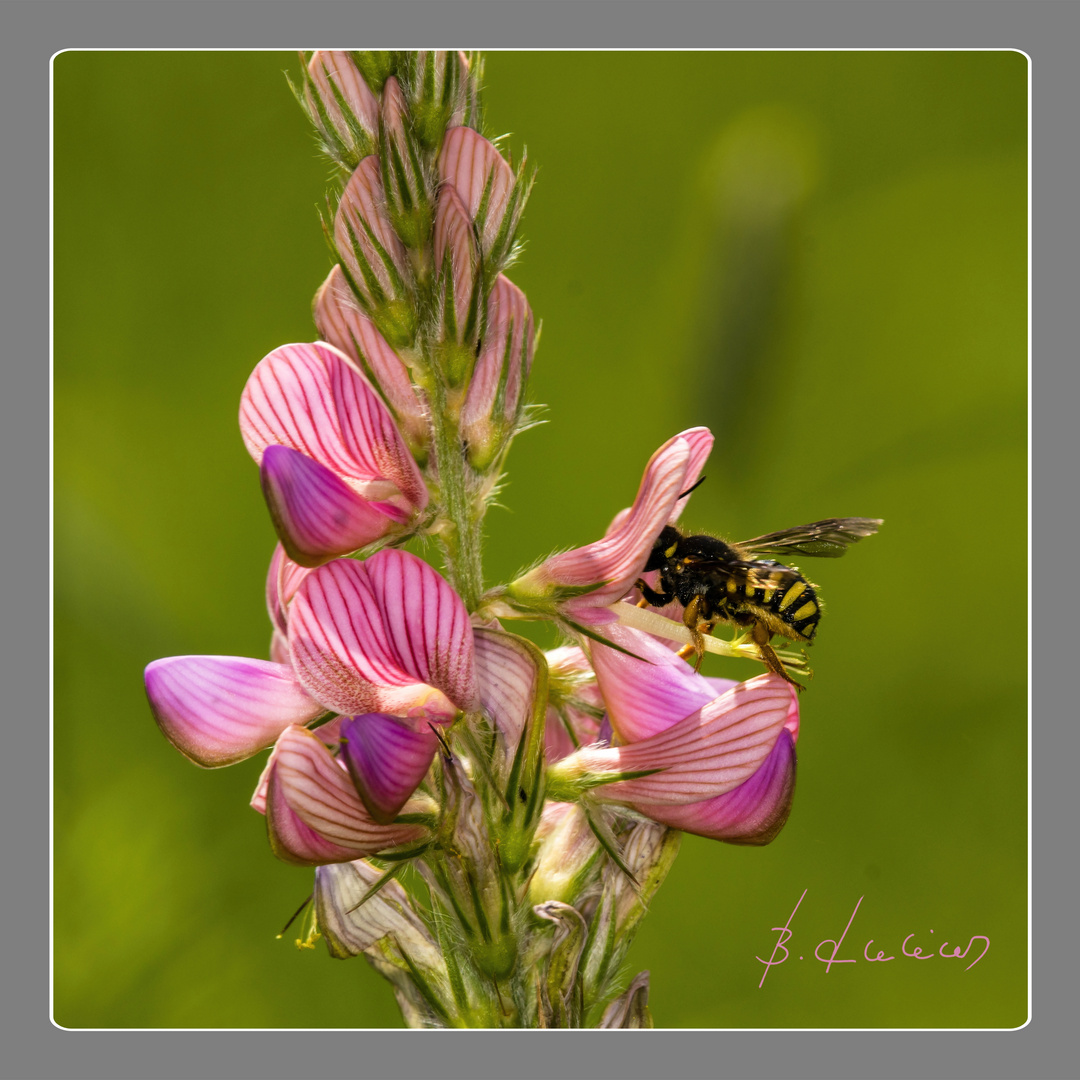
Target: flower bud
pixel 373 256
pixel 567 860
pixel 342 106
pixel 496 393
pixel 459 287
pixel 442 94
pixel 341 323
pixel 376 66
pixel 630 1009
pixel 493 194
pixel 562 1006
pixel 408 201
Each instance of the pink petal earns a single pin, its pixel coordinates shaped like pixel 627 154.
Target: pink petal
pixel 507 679
pixel 310 398
pixel 341 323
pixel 619 558
pixel 362 202
pixel 387 758
pixel 314 814
pixel 708 753
pixel 699 440
pixel 387 635
pixel 752 813
pixel 328 734
pixel 647 696
pixel 317 515
pixel 328 67
pixel 467 161
pixel 217 710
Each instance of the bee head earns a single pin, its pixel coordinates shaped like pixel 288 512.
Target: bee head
pixel 664 548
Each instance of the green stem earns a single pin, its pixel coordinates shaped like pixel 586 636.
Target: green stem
pixel 459 531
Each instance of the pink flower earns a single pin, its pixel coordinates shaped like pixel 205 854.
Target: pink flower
pixel 706 756
pixel 336 472
pixel 581 585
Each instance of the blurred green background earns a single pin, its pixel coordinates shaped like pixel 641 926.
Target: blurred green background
pixel 820 255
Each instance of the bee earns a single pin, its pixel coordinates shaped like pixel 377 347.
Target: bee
pixel 720 582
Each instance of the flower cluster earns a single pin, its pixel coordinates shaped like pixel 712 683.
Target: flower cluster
pixel 538 798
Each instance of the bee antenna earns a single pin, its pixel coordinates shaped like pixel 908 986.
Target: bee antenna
pixel 689 489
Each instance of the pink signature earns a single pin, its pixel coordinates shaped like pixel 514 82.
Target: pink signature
pixel 828 957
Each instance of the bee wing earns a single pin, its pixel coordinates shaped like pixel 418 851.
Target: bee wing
pixel 827 539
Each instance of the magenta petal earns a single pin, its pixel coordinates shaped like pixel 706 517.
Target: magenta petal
pixel 313 811
pixel 700 441
pixel 619 558
pixel 311 398
pixel 711 751
pixel 645 697
pixel 752 813
pixel 217 710
pixel 316 514
pixel 387 635
pixel 387 758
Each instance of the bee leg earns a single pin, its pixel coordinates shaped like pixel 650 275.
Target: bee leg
pixel 762 637
pixel 650 597
pixel 698 627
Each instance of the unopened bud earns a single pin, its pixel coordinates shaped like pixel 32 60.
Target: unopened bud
pixel 373 256
pixel 494 401
pixel 441 92
pixel 342 106
pixel 408 201
pixel 376 66
pixel 567 860
pixel 630 1009
pixel 459 287
pixel 341 323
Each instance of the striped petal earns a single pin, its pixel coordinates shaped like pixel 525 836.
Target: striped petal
pixel 313 812
pixel 619 558
pixel 473 166
pixel 341 323
pixel 649 695
pixel 700 442
pixel 387 758
pixel 386 635
pixel 217 710
pixel 708 753
pixel 507 680
pixel 753 813
pixel 316 514
pixel 310 398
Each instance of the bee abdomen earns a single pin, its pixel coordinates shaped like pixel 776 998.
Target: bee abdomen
pixel 797 606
